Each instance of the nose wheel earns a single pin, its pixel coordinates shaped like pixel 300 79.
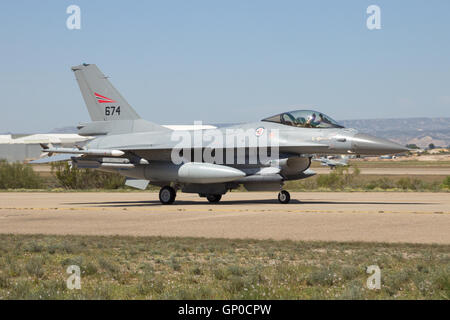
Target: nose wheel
pixel 214 198
pixel 284 196
pixel 167 195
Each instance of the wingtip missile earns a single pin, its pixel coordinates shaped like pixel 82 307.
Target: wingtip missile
pixel 93 152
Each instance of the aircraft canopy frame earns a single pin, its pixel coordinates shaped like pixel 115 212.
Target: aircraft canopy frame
pixel 304 119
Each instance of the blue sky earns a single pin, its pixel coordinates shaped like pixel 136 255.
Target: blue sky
pixel 226 61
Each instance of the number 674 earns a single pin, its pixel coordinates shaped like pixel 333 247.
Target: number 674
pixel 110 111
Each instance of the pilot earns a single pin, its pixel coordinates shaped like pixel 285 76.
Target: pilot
pixel 311 121
pixel 286 118
pixel 300 121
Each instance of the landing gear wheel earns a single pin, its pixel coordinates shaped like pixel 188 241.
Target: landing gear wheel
pixel 167 195
pixel 284 196
pixel 214 198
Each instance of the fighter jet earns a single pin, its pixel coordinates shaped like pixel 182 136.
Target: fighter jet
pixel 261 155
pixel 331 162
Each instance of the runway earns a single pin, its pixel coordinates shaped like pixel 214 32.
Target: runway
pixel 328 216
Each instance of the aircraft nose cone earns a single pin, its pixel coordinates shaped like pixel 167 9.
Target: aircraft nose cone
pixel 367 144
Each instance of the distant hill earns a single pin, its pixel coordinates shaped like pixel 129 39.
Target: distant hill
pixel 419 131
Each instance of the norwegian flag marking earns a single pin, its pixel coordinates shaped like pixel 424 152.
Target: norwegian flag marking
pixel 103 99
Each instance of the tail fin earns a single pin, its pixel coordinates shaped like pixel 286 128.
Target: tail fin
pixel 103 101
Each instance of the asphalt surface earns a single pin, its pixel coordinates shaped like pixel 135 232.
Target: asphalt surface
pixel 329 216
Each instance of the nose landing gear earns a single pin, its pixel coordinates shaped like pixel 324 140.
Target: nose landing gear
pixel 214 198
pixel 284 196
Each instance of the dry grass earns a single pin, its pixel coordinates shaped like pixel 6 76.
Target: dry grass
pixel 34 267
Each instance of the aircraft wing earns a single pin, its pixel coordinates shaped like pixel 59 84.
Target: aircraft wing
pixel 163 153
pixel 158 152
pixel 162 146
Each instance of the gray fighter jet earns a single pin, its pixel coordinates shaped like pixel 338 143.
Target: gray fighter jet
pixel 261 155
pixel 331 162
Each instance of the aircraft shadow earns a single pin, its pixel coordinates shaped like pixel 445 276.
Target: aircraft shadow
pixel 177 203
pixel 150 203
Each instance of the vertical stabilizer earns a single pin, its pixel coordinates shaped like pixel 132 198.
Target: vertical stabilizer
pixel 103 101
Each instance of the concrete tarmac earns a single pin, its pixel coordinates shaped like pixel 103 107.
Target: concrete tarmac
pixel 328 216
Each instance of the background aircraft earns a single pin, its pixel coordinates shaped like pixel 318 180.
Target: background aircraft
pixel 143 151
pixel 332 162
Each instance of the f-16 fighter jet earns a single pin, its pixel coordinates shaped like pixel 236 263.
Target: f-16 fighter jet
pixel 261 155
pixel 332 163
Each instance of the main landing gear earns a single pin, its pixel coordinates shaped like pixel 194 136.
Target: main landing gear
pixel 167 195
pixel 284 196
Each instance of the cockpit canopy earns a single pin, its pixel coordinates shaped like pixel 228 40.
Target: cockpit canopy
pixel 304 119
